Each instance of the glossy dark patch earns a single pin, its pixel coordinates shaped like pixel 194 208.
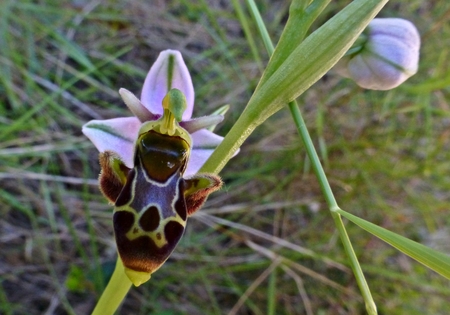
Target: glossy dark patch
pixel 149 220
pixel 126 195
pixel 173 232
pixel 161 155
pixel 123 221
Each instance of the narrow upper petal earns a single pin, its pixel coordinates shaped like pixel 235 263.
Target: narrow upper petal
pixel 196 124
pixel 169 71
pixel 117 135
pixel 135 106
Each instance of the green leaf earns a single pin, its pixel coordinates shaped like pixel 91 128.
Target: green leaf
pixel 431 258
pixel 301 17
pixel 305 65
pixel 314 57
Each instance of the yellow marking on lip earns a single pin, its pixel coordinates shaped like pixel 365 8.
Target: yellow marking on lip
pixel 158 235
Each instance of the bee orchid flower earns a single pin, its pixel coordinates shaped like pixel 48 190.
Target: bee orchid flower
pixel 149 166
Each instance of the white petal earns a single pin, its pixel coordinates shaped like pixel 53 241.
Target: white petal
pixel 372 73
pixel 389 57
pixel 117 135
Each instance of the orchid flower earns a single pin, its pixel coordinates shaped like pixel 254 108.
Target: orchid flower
pixel 149 164
pixel 119 134
pixel 388 55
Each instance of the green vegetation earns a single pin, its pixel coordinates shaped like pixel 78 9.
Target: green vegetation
pixel 266 243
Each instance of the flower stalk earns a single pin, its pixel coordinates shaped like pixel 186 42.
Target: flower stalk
pixel 114 293
pixel 318 169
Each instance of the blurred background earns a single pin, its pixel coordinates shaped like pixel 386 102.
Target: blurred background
pixel 266 243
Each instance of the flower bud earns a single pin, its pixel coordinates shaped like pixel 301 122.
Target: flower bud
pixel 387 56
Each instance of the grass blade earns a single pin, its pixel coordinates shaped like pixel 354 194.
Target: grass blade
pixel 429 257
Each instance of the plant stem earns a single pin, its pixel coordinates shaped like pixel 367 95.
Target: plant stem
pixel 333 207
pixel 320 174
pixel 115 292
pixel 314 158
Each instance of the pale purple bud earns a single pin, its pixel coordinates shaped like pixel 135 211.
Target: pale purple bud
pixel 387 58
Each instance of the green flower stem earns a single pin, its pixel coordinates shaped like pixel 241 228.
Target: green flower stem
pixel 314 158
pixel 333 206
pixel 319 171
pixel 115 292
